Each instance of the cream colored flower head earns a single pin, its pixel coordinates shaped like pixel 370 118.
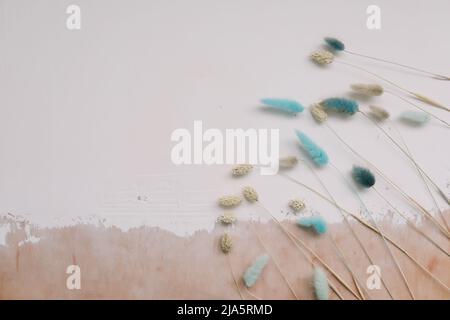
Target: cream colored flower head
pixel 241 170
pixel 288 162
pixel 230 201
pixel 226 243
pixel 379 113
pixel 227 218
pixel 367 89
pixel 318 112
pixel 296 205
pixel 322 57
pixel 250 194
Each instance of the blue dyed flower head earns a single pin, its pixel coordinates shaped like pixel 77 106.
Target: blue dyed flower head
pixel 286 105
pixel 318 223
pixel 341 104
pixel 363 177
pixel 253 272
pixel 316 153
pixel 335 44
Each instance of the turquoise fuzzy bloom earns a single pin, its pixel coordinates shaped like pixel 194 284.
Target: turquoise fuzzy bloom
pixel 316 153
pixel 286 105
pixel 316 222
pixel 253 272
pixel 321 285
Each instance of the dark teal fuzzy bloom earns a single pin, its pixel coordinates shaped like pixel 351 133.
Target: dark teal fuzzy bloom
pixel 363 177
pixel 335 44
pixel 341 104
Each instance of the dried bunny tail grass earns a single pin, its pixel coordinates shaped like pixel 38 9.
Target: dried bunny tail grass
pixel 253 272
pixel 322 57
pixel 379 113
pixel 226 243
pixel 343 105
pixel 367 225
pixel 227 218
pixel 288 162
pixel 415 117
pixel 241 170
pixel 321 286
pixel 316 153
pixel 286 105
pixel 307 251
pixel 368 89
pixel 425 213
pixel 296 205
pixel 260 240
pixel 429 101
pixel 334 43
pixel 418 107
pixel 230 201
pixel 318 112
pixel 363 177
pixel 317 223
pixel 392 83
pixel 356 281
pixel 250 194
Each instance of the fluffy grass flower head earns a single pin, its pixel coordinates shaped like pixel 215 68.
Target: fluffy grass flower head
pixel 369 90
pixel 288 162
pixel 379 113
pixel 343 105
pixel 230 201
pixel 316 222
pixel 226 244
pixel 334 43
pixel 321 286
pixel 363 177
pixel 241 170
pixel 318 112
pixel 286 105
pixel 250 194
pixel 253 272
pixel 322 57
pixel 296 205
pixel 316 153
pixel 414 117
pixel 227 218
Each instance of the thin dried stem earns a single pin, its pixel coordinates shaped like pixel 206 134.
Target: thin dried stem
pixel 252 294
pixel 234 277
pixel 411 224
pixel 433 75
pixel 274 260
pixel 421 176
